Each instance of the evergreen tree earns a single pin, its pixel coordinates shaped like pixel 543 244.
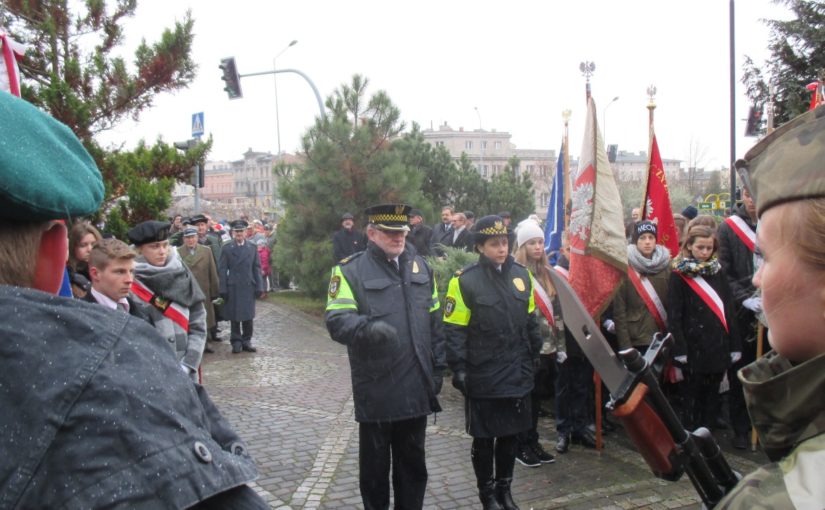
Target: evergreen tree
pixel 797 58
pixel 511 190
pixel 70 72
pixel 350 165
pixel 468 190
pixel 434 163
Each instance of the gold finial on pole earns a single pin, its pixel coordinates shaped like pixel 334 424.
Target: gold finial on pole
pixel 651 105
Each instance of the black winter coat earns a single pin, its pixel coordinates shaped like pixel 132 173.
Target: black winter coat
pixel 737 263
pixel 346 242
pixel 421 237
pixel 240 280
pixel 498 345
pixel 96 414
pixel 697 331
pixel 396 380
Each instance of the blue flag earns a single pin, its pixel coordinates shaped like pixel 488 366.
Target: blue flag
pixel 554 224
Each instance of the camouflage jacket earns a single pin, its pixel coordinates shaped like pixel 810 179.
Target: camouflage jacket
pixel 788 411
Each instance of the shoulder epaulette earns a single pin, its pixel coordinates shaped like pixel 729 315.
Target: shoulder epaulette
pixel 350 258
pixel 466 268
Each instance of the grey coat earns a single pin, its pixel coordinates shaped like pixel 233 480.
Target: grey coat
pixel 96 414
pixel 239 272
pixel 174 282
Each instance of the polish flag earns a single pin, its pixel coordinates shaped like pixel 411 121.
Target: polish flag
pixel 598 247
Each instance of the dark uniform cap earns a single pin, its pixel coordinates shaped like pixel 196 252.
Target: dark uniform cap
pixel 487 227
pixel 151 231
pixel 389 216
pixel 788 164
pixel 346 216
pixel 45 173
pixel 239 225
pixel 190 231
pixel 198 218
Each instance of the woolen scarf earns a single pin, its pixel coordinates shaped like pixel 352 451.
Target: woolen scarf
pixel 172 281
pixel 691 267
pixel 656 263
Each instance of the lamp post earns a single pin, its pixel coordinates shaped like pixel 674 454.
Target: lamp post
pixel 275 81
pixel 604 117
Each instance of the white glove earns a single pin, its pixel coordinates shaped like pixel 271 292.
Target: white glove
pixel 186 370
pixel 561 357
pixel 735 356
pixel 609 326
pixel 681 359
pixel 753 304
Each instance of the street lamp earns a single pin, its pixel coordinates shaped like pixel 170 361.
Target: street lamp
pixel 275 81
pixel 604 117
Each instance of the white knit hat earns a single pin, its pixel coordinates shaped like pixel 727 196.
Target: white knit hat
pixel 527 230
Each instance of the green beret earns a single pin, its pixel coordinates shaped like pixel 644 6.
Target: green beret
pixel 788 164
pixel 45 173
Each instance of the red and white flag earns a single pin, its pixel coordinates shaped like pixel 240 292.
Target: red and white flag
pixel 12 51
pixel 656 203
pixel 598 247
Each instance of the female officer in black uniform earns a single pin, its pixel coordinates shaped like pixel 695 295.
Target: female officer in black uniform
pixel 493 341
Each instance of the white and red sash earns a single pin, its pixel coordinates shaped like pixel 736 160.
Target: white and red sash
pixel 543 301
pixel 562 271
pixel 171 310
pixel 708 295
pixel 651 300
pixel 743 231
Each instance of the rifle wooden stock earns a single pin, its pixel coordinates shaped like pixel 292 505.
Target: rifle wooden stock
pixel 650 435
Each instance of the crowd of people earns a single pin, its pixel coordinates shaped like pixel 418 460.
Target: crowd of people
pixel 110 412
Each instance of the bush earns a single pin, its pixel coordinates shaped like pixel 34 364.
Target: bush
pixel 444 268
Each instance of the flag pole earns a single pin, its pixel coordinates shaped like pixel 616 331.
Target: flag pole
pixel 651 106
pixel 566 167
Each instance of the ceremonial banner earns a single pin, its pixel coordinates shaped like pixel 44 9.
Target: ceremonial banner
pixel 11 52
pixel 656 202
pixel 554 224
pixel 598 247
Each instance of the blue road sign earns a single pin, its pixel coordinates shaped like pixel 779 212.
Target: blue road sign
pixel 197 124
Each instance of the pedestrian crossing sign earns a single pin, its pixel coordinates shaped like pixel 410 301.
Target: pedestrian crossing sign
pixel 197 124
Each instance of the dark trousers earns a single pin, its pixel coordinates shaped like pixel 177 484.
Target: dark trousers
pixel 703 399
pixel 488 452
pixel 402 444
pixel 573 392
pixel 241 332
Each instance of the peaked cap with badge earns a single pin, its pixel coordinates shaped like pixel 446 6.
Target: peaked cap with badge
pixel 788 164
pixel 487 227
pixel 392 217
pixel 151 231
pixel 239 225
pixel 45 172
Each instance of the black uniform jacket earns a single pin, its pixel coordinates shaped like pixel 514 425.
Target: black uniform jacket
pixel 737 263
pixel 96 414
pixel 496 347
pixel 394 380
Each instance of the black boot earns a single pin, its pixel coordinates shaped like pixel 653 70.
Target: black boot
pixel 488 495
pixel 503 494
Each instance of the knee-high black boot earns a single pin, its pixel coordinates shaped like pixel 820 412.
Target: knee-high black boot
pixel 505 460
pixel 482 455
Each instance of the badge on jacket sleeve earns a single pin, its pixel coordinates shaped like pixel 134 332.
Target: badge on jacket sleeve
pixel 415 267
pixel 449 306
pixel 519 283
pixel 334 286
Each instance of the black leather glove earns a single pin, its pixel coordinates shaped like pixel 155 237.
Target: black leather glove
pixel 438 381
pixel 379 332
pixel 459 382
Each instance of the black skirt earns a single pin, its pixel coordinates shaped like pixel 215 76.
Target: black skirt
pixel 497 417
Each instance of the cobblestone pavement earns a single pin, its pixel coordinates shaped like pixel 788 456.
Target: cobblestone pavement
pixel 292 402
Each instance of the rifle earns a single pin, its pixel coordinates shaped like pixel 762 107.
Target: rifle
pixel 636 399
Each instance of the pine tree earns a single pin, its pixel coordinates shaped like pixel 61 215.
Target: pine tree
pixel 70 72
pixel 797 58
pixel 511 190
pixel 350 165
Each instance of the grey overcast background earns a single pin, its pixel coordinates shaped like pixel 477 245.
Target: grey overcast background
pixel 517 62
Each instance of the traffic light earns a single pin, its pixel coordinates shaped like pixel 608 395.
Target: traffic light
pixel 612 152
pixel 231 78
pixel 754 122
pixel 198 177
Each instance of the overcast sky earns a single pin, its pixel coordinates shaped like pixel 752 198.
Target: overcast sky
pixel 516 61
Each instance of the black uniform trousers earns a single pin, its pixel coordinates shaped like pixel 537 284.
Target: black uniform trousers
pixel 241 332
pixel 574 381
pixel 402 444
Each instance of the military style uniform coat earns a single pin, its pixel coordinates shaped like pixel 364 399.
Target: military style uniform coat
pixel 239 274
pixel 397 380
pixel 203 267
pixel 106 418
pixel 786 405
pixel 492 333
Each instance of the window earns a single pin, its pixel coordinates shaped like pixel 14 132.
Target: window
pixel 483 144
pixel 483 169
pixel 468 144
pixel 497 145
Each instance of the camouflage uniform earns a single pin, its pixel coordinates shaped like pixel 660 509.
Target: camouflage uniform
pixel 792 431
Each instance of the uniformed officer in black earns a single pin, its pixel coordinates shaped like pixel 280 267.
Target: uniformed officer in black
pixel 347 240
pixel 383 305
pixel 493 344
